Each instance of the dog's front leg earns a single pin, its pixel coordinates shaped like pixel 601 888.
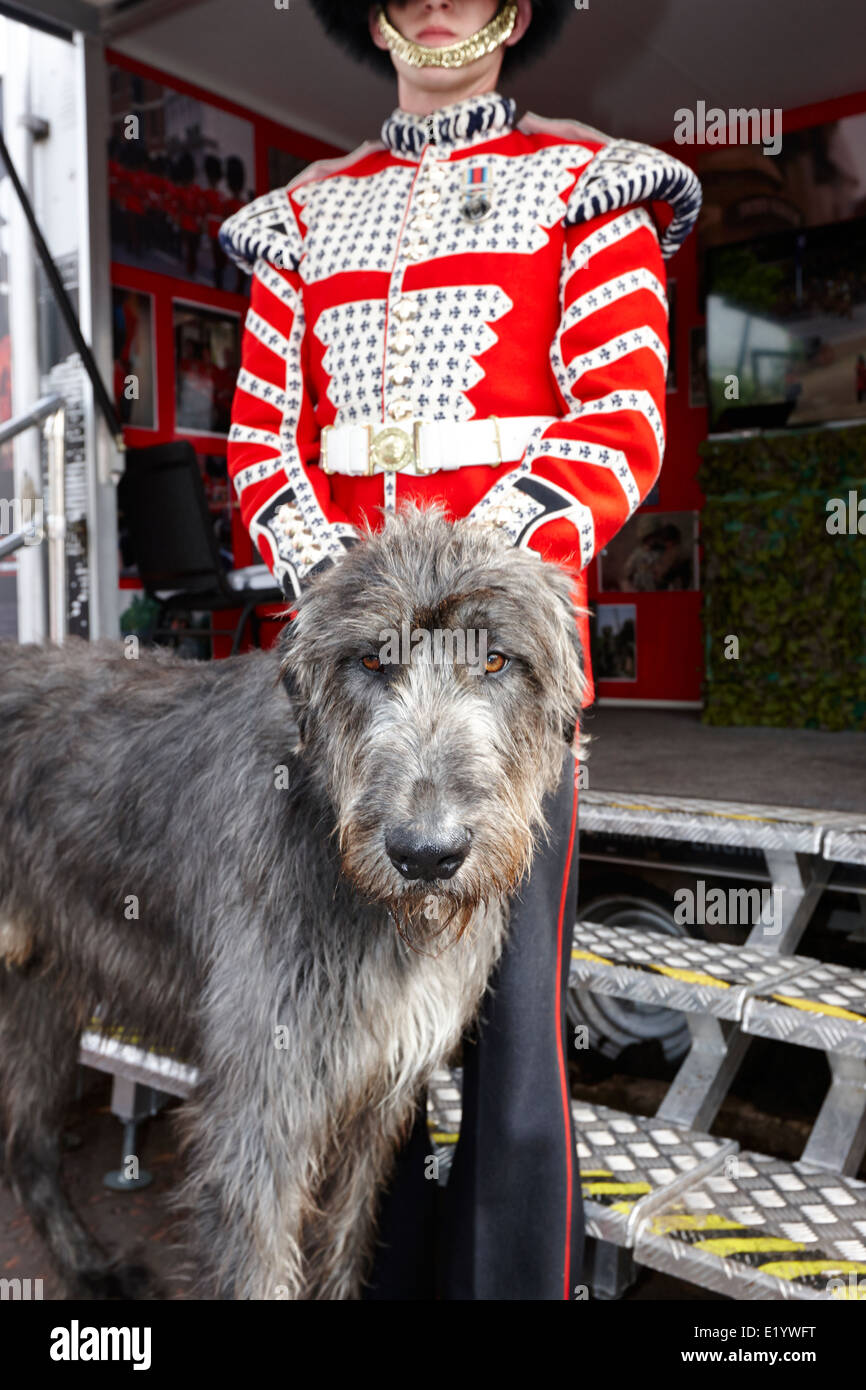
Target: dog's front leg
pixel 251 1192
pixel 339 1243
pixel 260 1122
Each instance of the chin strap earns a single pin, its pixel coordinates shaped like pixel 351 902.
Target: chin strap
pixel 452 55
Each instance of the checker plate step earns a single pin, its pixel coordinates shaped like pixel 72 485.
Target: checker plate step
pixel 628 1163
pixel 677 972
pixel 763 1229
pixel 824 1006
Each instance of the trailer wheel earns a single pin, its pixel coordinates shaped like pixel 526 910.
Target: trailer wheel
pixel 615 1024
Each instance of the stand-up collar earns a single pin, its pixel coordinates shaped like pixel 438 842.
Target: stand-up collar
pixel 452 127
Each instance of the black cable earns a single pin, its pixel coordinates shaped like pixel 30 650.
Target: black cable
pixel 64 303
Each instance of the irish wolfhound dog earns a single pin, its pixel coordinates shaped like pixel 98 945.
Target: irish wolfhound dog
pixel 318 884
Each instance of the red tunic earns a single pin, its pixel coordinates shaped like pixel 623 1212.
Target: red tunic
pixel 384 292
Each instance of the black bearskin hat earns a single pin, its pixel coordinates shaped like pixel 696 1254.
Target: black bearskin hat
pixel 346 21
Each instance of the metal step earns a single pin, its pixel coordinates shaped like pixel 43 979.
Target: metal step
pixel 632 1164
pixel 791 998
pixel 444 1107
pixel 629 1164
pixel 123 1053
pixel 763 1229
pixel 822 1006
pixel 826 834
pixel 688 1204
pixel 677 972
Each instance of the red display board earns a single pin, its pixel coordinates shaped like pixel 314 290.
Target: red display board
pixel 667 638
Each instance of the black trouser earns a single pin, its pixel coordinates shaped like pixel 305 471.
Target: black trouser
pixel 509 1224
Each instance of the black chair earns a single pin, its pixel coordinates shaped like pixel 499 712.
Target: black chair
pixel 172 543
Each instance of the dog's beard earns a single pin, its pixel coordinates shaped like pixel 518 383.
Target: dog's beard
pixel 431 922
pixel 432 916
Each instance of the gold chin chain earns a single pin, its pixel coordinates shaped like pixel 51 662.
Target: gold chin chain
pixel 452 55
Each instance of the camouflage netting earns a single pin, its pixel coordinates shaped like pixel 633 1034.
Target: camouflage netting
pixel 773 576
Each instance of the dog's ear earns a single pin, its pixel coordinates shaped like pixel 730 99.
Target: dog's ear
pixel 298 702
pixel 286 638
pixel 577 682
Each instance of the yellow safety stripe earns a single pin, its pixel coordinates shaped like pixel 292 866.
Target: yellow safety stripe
pixel 814 1006
pixel 746 1245
pixel 718 815
pixel 741 1245
pixel 688 1221
pixel 691 977
pixel 621 1189
pixel 803 1269
pixel 688 977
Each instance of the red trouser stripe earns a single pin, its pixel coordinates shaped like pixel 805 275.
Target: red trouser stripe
pixel 563 1075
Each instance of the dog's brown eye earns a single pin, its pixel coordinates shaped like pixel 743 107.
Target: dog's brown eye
pixel 371 662
pixel 495 662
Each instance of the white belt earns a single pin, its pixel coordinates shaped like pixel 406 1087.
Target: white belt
pixel 425 446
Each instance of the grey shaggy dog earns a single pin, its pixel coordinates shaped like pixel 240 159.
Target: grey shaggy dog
pixel 321 846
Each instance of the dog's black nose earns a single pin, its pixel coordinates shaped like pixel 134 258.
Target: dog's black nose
pixel 416 855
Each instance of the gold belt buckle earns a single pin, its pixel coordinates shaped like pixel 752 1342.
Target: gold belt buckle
pixel 323 449
pixel 390 449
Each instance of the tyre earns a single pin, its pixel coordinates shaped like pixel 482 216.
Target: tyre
pixel 615 1024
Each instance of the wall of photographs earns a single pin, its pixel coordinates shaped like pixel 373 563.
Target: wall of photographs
pixel 644 589
pixel 180 160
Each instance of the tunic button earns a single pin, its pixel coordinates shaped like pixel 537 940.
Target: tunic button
pixel 416 250
pixel 402 341
pixel 421 222
pixel 404 310
pixel 428 197
pixel 399 374
pixel 398 410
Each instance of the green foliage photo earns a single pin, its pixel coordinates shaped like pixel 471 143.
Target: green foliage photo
pixel 774 577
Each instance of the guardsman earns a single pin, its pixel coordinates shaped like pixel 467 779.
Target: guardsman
pixel 469 309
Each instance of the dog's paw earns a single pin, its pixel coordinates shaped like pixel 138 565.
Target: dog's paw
pixel 115 1282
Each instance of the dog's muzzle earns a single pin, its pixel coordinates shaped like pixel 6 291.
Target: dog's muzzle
pixel 419 856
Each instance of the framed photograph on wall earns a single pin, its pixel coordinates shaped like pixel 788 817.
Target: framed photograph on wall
pixel 817 177
pixel 671 383
pixel 283 166
pixel 206 360
pixel 134 369
pixel 698 395
pixel 655 552
pixel 614 644
pixel 177 167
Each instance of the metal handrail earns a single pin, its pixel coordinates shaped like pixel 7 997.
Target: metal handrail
pixel 51 410
pixel 34 416
pixel 31 535
pixel 55 525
